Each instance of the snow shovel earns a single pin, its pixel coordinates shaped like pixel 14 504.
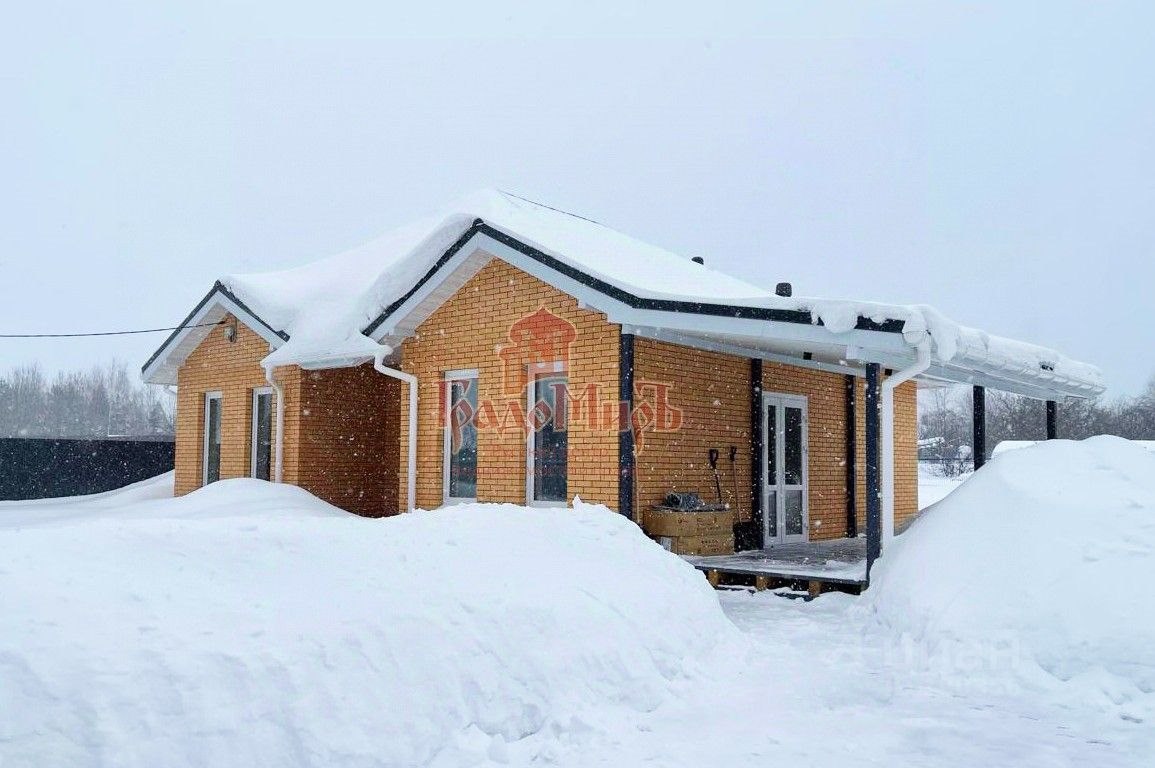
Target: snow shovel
pixel 713 454
pixel 734 474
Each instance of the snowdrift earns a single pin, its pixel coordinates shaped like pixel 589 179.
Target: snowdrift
pixel 251 624
pixel 1047 554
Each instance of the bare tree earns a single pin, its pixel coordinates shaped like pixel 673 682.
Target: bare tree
pixel 103 401
pixel 944 430
pixel 945 420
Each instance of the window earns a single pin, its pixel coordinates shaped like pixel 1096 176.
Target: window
pixel 211 455
pixel 548 448
pixel 261 442
pixel 460 458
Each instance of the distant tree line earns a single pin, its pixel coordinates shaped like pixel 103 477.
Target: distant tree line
pixel 102 402
pixel 945 423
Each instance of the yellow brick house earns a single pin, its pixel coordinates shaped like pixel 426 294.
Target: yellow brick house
pixel 506 351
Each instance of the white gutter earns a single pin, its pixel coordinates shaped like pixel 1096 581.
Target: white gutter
pixel 279 429
pixel 411 380
pixel 921 363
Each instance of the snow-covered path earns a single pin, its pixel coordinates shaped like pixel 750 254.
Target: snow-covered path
pixel 831 683
pixel 819 690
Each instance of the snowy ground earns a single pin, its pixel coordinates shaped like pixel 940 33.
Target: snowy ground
pixel 933 487
pixel 823 688
pixel 250 625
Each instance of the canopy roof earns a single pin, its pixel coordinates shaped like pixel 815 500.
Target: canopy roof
pixel 341 309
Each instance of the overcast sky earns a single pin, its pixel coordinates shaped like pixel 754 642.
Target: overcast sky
pixel 996 163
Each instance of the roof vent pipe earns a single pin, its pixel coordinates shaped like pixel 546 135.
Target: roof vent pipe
pixel 698 260
pixel 783 289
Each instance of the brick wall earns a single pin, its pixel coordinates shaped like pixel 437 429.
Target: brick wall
pixel 713 392
pixel 826 399
pixel 340 428
pixel 905 454
pixel 467 332
pixel 348 444
pixel 826 410
pixel 345 429
pixel 233 369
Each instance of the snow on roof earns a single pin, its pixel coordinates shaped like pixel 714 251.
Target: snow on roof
pixel 329 302
pixel 326 305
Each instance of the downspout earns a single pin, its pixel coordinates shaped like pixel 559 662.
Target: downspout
pixel 411 380
pixel 279 430
pixel 921 363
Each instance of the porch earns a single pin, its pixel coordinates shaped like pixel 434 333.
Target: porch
pixel 839 563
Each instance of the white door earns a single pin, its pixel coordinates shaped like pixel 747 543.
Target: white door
pixel 785 497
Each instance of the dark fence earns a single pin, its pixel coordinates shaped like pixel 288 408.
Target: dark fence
pixel 41 468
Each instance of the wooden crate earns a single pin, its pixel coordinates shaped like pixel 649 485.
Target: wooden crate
pixel 716 544
pixel 666 522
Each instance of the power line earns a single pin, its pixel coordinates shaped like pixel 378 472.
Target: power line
pixel 98 333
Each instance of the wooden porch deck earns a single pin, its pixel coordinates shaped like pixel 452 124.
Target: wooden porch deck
pixel 839 562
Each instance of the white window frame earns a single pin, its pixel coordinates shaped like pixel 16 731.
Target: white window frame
pixel 460 374
pixel 534 372
pixel 209 397
pixel 257 392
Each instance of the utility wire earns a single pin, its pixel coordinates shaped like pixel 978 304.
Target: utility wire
pixel 99 333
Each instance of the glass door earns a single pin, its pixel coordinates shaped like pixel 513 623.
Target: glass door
pixel 785 502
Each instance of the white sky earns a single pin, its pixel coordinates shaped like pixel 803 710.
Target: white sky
pixel 997 163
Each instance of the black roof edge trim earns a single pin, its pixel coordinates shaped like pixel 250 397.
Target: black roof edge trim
pixel 458 244
pixel 218 287
pixel 801 317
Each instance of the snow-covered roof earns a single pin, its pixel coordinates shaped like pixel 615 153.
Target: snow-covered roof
pixel 341 308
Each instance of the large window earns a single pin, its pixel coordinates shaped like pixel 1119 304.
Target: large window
pixel 548 448
pixel 211 455
pixel 460 480
pixel 261 441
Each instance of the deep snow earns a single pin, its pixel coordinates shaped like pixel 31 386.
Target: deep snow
pixel 1014 445
pixel 252 625
pixel 1045 555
